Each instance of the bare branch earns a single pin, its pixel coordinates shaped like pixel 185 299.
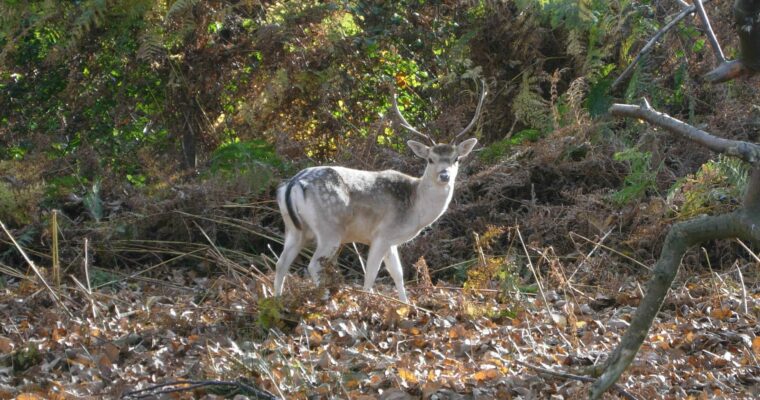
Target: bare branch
pixel 189 385
pixel 406 125
pixel 648 47
pixel 477 111
pixel 748 152
pixel 709 32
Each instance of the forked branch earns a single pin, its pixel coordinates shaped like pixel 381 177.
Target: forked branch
pixel 743 224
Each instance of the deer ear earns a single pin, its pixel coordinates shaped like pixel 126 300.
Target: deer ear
pixel 418 148
pixel 464 148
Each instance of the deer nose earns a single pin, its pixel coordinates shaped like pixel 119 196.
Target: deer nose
pixel 444 176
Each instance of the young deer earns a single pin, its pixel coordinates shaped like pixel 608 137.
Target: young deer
pixel 336 205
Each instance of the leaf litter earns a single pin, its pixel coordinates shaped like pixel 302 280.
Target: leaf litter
pixel 451 344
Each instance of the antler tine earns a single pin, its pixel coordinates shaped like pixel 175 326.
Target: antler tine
pixel 405 124
pixel 477 110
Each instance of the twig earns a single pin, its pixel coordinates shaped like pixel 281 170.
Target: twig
pixel 581 378
pixel 36 270
pixel 533 270
pixel 627 257
pixel 358 255
pixel 650 45
pixel 709 32
pixel 155 390
pixel 744 289
pixel 87 276
pixel 751 253
pixel 55 255
pixel 597 245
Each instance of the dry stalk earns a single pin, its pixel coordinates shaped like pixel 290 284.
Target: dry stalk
pixel 54 251
pixel 36 270
pixel 533 271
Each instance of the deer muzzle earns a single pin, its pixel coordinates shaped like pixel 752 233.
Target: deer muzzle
pixel 444 176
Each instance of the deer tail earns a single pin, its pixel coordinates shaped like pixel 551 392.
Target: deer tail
pixel 289 201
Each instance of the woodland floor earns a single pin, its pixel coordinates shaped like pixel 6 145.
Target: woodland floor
pixel 451 344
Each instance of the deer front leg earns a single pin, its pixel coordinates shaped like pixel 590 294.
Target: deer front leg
pixel 393 264
pixel 377 251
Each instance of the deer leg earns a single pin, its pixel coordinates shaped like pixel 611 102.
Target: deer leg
pixel 393 264
pixel 294 242
pixel 376 253
pixel 326 249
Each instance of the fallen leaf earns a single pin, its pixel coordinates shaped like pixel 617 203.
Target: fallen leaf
pixel 112 352
pixel 6 345
pixel 721 313
pixel 407 376
pixel 486 374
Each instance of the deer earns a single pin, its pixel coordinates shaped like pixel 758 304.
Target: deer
pixel 334 205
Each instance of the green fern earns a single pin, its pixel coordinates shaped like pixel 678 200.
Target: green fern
pixel 641 176
pixel 529 107
pixel 715 188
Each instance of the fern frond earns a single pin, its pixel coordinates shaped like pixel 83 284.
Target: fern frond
pixel 92 16
pixel 576 46
pixel 576 95
pixel 181 7
pixel 152 47
pixel 529 107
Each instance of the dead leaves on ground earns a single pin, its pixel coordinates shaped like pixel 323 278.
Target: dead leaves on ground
pixel 365 346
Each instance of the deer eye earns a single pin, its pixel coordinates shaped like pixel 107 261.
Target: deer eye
pixel 430 160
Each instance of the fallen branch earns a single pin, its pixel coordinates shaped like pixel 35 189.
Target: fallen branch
pixel 241 386
pixel 580 378
pixel 748 152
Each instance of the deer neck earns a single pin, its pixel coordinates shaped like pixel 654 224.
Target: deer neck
pixel 432 199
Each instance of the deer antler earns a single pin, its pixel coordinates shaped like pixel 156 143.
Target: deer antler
pixel 405 124
pixel 477 110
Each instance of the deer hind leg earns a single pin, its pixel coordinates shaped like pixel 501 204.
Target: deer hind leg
pixel 377 251
pixel 325 251
pixel 294 243
pixel 393 264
